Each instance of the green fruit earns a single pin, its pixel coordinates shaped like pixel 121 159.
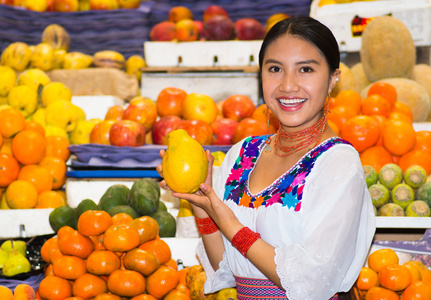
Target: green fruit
pixel 19 245
pixel 144 196
pixel 424 193
pixel 402 194
pixel 167 223
pixel 390 175
pixel 391 210
pixel 15 264
pixel 123 209
pixel 371 175
pixel 117 194
pixel 415 176
pixel 379 194
pixel 63 216
pixel 418 208
pixel 84 205
pixel 162 206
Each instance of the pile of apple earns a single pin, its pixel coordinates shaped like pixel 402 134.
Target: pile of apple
pixel 144 121
pixel 72 5
pixel 215 26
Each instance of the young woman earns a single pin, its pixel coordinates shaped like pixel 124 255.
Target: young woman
pixel 288 216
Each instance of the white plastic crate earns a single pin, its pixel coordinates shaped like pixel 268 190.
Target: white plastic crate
pixel 35 221
pixel 96 106
pixel 348 20
pixel 202 53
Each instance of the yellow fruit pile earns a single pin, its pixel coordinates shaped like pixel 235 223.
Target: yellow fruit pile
pixel 115 255
pixel 385 278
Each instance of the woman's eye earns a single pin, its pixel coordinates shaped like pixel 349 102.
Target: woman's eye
pixel 274 69
pixel 306 69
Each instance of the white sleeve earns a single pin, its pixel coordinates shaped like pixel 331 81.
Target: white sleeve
pixel 337 229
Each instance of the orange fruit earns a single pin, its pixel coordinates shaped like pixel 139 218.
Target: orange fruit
pixel 396 115
pixel 375 105
pixel 348 98
pixel 57 146
pixel 395 277
pixel 12 121
pixel 147 227
pixel 423 140
pixel 385 90
pixel 94 222
pixel 6 146
pixel 416 291
pixel 334 127
pixel 172 263
pixel 126 283
pixel 340 114
pixel 381 120
pixel 97 242
pixel 1 141
pixel 261 114
pixel 57 168
pixel 107 296
pixel 367 279
pixel 24 291
pixel 32 125
pixel 5 293
pixel 143 297
pixel 88 286
pixel 162 281
pixel 69 267
pixel 102 262
pixel 379 293
pixel 121 218
pixel 399 137
pixel 416 157
pixel 9 169
pixel 160 248
pixel 120 238
pixel 38 176
pixel 50 199
pixel 183 275
pixel 414 270
pixel 28 147
pixel 74 298
pixel 48 271
pixel 142 261
pixel 403 108
pixel 361 131
pixel 382 257
pixel 50 250
pixel 376 156
pixel 54 288
pixel 114 112
pixel 170 102
pixel 181 292
pixel 21 194
pixel 71 242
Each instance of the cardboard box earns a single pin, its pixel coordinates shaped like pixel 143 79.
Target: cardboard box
pixel 202 53
pixel 217 85
pixel 348 20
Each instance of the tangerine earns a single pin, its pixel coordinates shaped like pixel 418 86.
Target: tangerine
pixel 379 293
pixel 340 114
pixel 12 121
pixel 402 108
pixel 382 257
pixel 33 125
pixel 376 156
pixel 54 288
pixel 121 218
pixel 9 169
pixel 88 286
pixel 94 222
pixel 50 199
pixel 69 267
pixel 162 281
pixel 348 98
pixel 107 296
pixel 120 238
pixel 375 105
pixel 367 279
pixel 143 297
pixel 72 242
pixel 361 131
pixel 50 250
pixel 416 157
pixel 385 90
pixel 416 291
pixel 126 283
pixel 145 262
pixel 57 146
pixel 38 176
pixel 399 137
pixel 160 248
pixel 423 140
pixel 102 262
pixel 147 227
pixel 181 292
pixel 28 147
pixel 57 168
pixel 21 194
pixel 395 277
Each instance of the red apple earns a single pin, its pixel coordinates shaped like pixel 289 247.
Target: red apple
pixel 219 28
pixel 214 10
pixel 127 133
pixel 170 102
pixel 249 29
pixel 199 130
pixel 100 132
pixel 223 130
pixel 248 127
pixel 163 31
pixel 162 127
pixel 66 5
pixel 142 110
pixel 238 107
pixel 114 113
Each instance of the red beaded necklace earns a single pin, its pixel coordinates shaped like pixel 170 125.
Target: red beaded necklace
pixel 302 139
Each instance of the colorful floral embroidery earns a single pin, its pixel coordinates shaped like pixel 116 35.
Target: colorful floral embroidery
pixel 287 190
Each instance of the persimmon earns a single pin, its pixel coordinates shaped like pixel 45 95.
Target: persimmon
pixel 375 105
pixel 126 283
pixel 54 287
pixel 102 262
pixel 88 286
pixel 386 90
pixel 399 137
pixel 69 267
pixel 395 277
pixel 361 131
pixel 348 98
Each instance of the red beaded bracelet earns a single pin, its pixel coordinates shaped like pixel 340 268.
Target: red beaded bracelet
pixel 206 225
pixel 243 240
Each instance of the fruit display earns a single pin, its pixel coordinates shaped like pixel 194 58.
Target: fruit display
pixel 398 193
pixel 216 25
pixel 385 278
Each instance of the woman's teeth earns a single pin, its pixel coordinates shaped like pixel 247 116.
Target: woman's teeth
pixel 291 102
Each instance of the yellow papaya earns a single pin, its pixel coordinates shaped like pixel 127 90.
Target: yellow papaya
pixel 185 164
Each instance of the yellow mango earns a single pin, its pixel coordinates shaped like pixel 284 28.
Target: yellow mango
pixel 185 164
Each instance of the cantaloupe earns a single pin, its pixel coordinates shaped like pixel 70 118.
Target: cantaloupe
pixel 411 93
pixel 358 70
pixel 387 49
pixel 422 75
pixel 347 81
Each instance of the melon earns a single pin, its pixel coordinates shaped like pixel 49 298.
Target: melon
pixel 347 81
pixel 422 75
pixel 387 49
pixel 361 78
pixel 410 93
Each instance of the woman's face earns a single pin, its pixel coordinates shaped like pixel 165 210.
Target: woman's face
pixel 295 81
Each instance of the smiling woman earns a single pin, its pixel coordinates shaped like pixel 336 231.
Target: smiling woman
pixel 287 215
